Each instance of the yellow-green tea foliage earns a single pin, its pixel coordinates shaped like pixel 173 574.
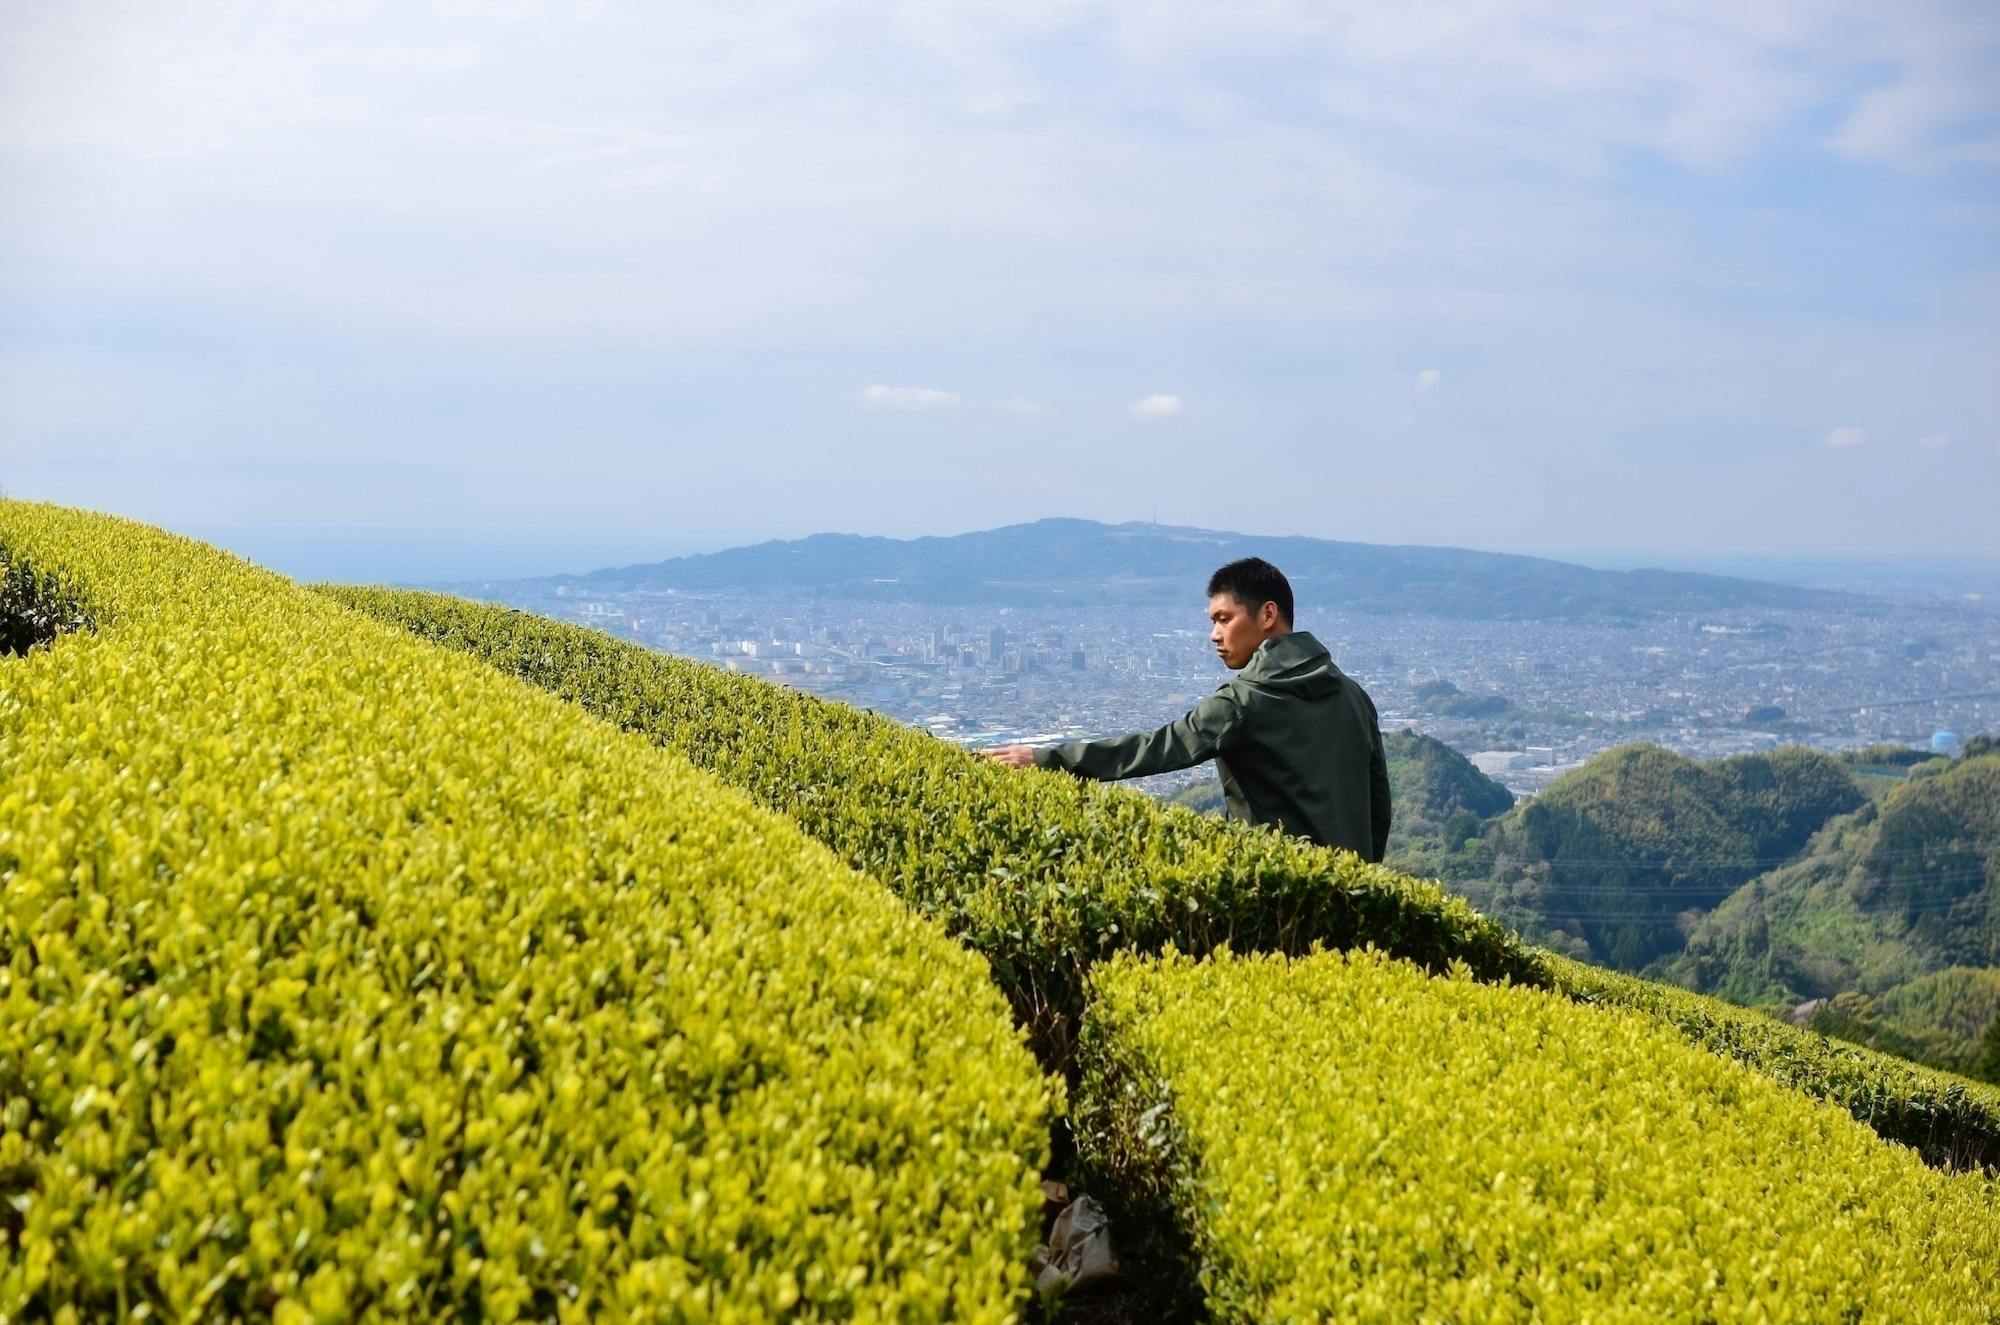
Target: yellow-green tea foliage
pixel 1344 1137
pixel 1045 875
pixel 341 976
pixel 1042 874
pixel 1952 1121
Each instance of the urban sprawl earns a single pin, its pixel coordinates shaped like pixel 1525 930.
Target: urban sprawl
pixel 1527 700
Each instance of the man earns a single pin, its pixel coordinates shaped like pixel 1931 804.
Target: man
pixel 1294 740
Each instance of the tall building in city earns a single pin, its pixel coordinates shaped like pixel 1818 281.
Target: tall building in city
pixel 996 645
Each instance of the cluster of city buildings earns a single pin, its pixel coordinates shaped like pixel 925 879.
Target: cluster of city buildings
pixel 1707 685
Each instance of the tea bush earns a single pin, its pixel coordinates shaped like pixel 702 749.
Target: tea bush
pixel 1042 874
pixel 1952 1121
pixel 341 976
pixel 1344 1137
pixel 1045 875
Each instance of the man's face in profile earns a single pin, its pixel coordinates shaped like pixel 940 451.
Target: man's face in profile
pixel 1236 633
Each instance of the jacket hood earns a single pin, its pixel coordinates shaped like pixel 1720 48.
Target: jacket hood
pixel 1294 664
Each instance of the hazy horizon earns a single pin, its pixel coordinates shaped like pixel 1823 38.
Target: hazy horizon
pixel 419 557
pixel 542 280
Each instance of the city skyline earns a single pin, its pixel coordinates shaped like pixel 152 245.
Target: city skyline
pixel 1707 683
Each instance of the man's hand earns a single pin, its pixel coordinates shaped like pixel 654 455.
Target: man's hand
pixel 1013 756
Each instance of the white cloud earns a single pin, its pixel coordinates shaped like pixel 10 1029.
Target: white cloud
pixel 1841 438
pixel 911 398
pixel 1936 441
pixel 1157 406
pixel 1428 379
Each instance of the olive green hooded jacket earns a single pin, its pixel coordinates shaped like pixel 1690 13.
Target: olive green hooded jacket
pixel 1294 740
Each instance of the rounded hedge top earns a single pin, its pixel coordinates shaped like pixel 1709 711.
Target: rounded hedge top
pixel 341 975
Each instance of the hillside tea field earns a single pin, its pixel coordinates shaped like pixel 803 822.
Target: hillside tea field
pixel 1952 1122
pixel 1045 875
pixel 341 976
pixel 1344 1137
pixel 1041 874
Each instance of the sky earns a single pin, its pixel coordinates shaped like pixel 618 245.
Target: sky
pixel 428 291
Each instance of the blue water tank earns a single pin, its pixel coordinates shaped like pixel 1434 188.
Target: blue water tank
pixel 1944 743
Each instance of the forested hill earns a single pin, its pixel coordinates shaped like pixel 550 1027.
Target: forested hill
pixel 1904 888
pixel 1081 561
pixel 1614 853
pixel 1771 880
pixel 1433 783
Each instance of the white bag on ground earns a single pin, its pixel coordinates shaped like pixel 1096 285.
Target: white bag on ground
pixel 1079 1251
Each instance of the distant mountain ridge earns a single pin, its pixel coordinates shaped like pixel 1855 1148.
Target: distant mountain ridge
pixel 1055 561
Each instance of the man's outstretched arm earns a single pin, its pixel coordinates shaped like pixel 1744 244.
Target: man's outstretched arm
pixel 1197 735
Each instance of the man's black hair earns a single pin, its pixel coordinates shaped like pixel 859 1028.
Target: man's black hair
pixel 1254 582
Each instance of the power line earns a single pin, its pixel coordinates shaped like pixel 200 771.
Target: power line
pixel 1940 876
pixel 1917 907
pixel 1746 861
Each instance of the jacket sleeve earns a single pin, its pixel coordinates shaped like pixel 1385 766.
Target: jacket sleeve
pixel 1378 789
pixel 1197 735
